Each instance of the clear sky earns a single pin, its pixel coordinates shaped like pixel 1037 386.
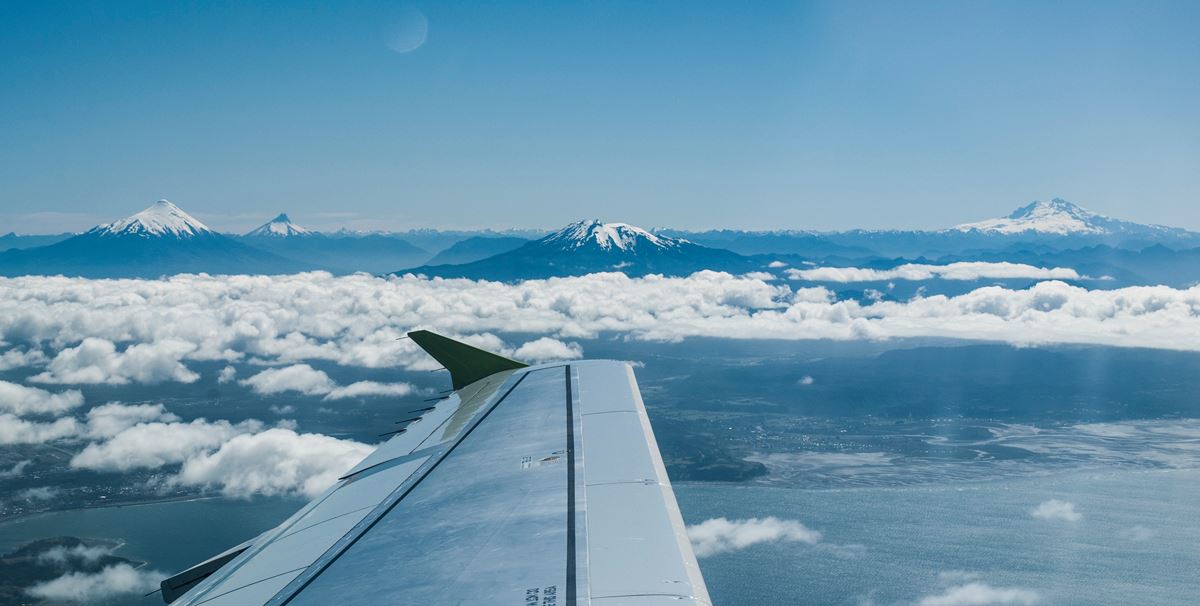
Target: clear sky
pixel 689 114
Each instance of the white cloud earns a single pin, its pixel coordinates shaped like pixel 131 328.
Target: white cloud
pixel 759 275
pixel 236 459
pixel 103 421
pixel 546 349
pixel 355 320
pixel 15 430
pixel 22 400
pixel 62 554
pixel 15 471
pixel 87 588
pixel 276 461
pixel 963 270
pixel 369 388
pixel 719 535
pixel 776 264
pixel 39 493
pixel 1137 533
pixel 981 594
pixel 806 380
pixel 97 360
pixel 152 445
pixel 227 374
pixel 298 377
pixel 16 358
pixel 310 381
pixel 1055 509
pixel 110 419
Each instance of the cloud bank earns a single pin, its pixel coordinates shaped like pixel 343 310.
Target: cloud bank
pixel 976 593
pixel 963 270
pixel 122 331
pixel 97 360
pixel 153 445
pixel 21 400
pixel 15 430
pixel 307 380
pixel 239 459
pixel 90 588
pixel 276 461
pixel 720 535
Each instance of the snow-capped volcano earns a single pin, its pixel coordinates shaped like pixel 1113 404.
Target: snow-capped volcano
pixel 593 234
pixel 279 227
pixel 592 246
pixel 162 219
pixel 159 241
pixel 1062 218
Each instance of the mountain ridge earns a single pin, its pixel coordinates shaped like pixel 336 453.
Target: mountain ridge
pixel 279 227
pixel 591 246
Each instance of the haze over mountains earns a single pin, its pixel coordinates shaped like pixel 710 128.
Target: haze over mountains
pixel 340 252
pixel 1102 251
pixel 1057 224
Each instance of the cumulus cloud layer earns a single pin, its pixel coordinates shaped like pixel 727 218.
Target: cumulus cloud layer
pixel 298 377
pixel 236 459
pixel 1055 509
pixel 98 361
pixel 22 400
pixel 153 445
pixel 61 554
pixel 307 380
pixel 963 270
pixel 720 535
pixel 108 420
pixel 276 461
pixel 976 593
pixel 88 588
pixel 118 331
pixel 15 430
pixel 546 349
pixel 17 358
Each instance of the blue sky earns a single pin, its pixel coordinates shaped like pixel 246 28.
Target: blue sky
pixel 817 115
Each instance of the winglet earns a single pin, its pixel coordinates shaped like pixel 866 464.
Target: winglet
pixel 466 364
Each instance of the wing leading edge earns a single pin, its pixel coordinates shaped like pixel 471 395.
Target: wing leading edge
pixel 531 485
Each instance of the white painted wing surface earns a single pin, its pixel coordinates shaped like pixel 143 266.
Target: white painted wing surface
pixel 540 486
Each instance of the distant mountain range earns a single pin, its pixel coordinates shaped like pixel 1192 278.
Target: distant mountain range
pixel 1057 224
pixel 163 240
pixel 160 240
pixel 339 253
pixel 593 246
pixel 476 248
pixel 1061 218
pixel 13 240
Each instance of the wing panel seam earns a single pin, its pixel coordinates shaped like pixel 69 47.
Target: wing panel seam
pixel 285 597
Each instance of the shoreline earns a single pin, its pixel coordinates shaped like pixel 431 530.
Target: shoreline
pixel 135 503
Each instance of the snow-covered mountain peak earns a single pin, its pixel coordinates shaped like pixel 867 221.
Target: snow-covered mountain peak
pixel 279 227
pixel 594 234
pixel 1057 216
pixel 159 220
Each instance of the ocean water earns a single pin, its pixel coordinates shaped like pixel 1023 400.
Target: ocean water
pixel 1136 541
pixel 920 469
pixel 169 536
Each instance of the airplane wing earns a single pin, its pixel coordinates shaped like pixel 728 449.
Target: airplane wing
pixel 528 485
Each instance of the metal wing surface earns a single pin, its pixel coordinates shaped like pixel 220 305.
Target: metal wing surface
pixel 532 486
